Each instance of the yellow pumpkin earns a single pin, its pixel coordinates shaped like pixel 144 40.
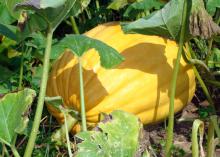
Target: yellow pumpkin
pixel 139 85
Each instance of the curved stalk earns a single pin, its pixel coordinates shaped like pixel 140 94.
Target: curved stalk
pixel 40 103
pixel 173 84
pixel 82 100
pixel 199 78
pixel 198 126
pixel 195 62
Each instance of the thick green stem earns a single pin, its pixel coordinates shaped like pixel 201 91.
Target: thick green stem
pixel 74 25
pixel 82 100
pixel 40 103
pixel 14 151
pixel 173 85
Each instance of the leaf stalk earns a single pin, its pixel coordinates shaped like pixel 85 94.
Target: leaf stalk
pixel 82 100
pixel 173 84
pixel 40 103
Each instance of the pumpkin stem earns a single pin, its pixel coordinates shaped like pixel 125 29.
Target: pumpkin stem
pixel 82 100
pixel 169 141
pixel 40 103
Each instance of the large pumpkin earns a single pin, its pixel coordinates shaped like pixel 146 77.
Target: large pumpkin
pixel 139 85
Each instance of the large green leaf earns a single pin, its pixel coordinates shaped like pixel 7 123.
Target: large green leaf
pixel 79 44
pixel 41 4
pixel 52 11
pixel 116 136
pixel 165 22
pixel 144 5
pixel 12 109
pixel 211 6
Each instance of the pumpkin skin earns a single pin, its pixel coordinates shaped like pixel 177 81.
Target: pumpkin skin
pixel 139 85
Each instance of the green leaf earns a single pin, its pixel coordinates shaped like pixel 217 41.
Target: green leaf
pixel 214 59
pixel 8 31
pixel 53 12
pixel 5 15
pixel 12 108
pixel 35 23
pixel 116 136
pixel 165 22
pixel 118 4
pixel 10 4
pixel 41 4
pixel 79 44
pixel 211 6
pixel 5 73
pixel 144 5
pixel 78 7
pixel 56 102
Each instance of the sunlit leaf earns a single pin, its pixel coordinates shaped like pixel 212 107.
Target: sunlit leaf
pixel 12 109
pixel 116 136
pixel 79 44
pixel 165 22
pixel 144 5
